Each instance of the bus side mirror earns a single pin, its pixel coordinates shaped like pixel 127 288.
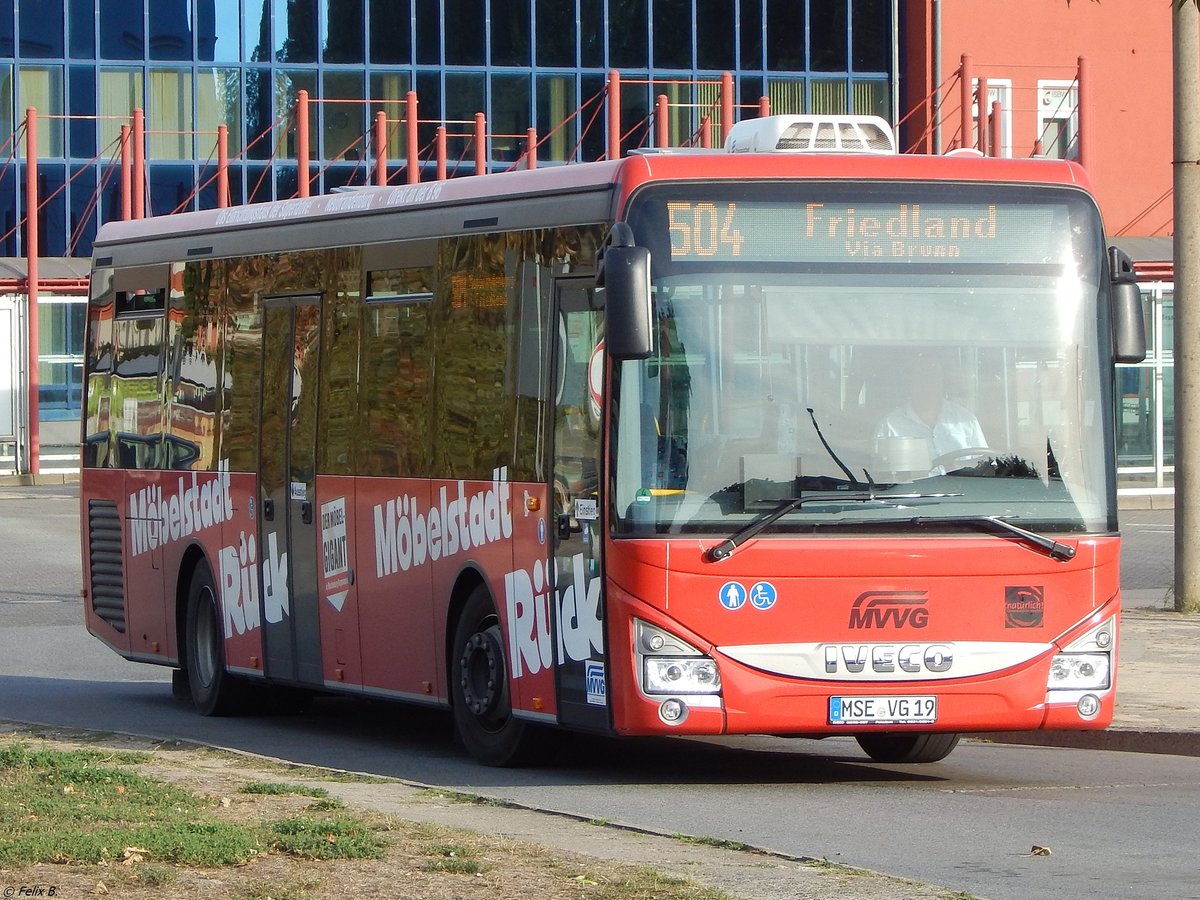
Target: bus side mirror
pixel 625 276
pixel 1125 301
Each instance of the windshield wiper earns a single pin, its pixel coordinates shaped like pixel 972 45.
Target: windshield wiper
pixel 725 549
pixel 1053 548
pixel 854 482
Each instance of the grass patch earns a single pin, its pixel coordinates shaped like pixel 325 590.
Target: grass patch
pixel 453 859
pixel 86 806
pixel 645 883
pixel 711 842
pixel 279 788
pixel 326 838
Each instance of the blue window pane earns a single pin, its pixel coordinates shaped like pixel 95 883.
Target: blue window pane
pixel 591 33
pixel 463 32
pixel 785 47
pixel 391 40
pixel 871 35
pixel 82 131
pixel 170 187
pixel 170 29
pixel 121 24
pixel 83 230
pixel 344 31
pixel 42 28
pixel 6 29
pixel 555 33
pixel 672 34
pixel 258 31
pixel 259 114
pixel 296 31
pixel 81 23
pixel 429 32
pixel 750 23
pixel 827 26
pixel 510 32
pixel 627 44
pixel 218 31
pixel 716 28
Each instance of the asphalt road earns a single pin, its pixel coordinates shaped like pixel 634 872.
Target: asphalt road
pixel 1118 824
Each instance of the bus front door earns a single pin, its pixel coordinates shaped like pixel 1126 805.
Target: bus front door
pixel 582 675
pixel 287 489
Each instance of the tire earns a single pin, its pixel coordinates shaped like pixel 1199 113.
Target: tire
pixel 180 689
pixel 483 719
pixel 907 747
pixel 214 691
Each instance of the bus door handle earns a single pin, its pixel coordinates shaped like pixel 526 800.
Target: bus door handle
pixel 566 528
pixel 306 512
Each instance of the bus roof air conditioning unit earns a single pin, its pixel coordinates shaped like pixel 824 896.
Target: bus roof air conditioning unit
pixel 812 134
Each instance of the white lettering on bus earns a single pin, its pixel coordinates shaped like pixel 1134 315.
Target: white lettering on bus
pixel 155 519
pixel 580 629
pixel 240 604
pixel 407 536
pixel 239 586
pixel 276 603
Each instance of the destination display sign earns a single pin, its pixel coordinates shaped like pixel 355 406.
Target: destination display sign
pixel 813 231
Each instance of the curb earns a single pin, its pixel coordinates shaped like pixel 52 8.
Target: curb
pixel 1128 740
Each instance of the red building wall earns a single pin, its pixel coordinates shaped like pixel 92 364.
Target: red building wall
pixel 1126 112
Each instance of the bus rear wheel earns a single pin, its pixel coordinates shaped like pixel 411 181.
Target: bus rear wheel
pixel 479 690
pixel 907 747
pixel 214 691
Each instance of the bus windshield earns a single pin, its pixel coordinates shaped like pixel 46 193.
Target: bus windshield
pixel 891 356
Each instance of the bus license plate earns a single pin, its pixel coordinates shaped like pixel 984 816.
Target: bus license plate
pixel 882 710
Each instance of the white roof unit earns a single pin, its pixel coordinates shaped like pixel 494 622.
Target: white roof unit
pixel 812 134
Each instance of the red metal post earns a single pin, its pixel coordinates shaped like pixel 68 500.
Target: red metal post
pixel 997 123
pixel 531 148
pixel 126 175
pixel 614 115
pixel 139 164
pixel 441 153
pixel 705 132
pixel 981 95
pixel 965 89
pixel 222 166
pixel 764 106
pixel 302 143
pixel 381 148
pixel 662 127
pixel 1085 115
pixel 480 144
pixel 410 118
pixel 31 257
pixel 726 105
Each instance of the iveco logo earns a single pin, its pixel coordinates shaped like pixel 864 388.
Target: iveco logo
pixel 883 658
pixel 879 609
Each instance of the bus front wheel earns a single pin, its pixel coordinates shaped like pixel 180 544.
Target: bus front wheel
pixel 907 747
pixel 214 691
pixel 479 690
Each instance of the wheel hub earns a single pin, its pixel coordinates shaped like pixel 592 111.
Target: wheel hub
pixel 482 673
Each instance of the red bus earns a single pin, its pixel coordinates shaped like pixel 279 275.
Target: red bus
pixel 696 443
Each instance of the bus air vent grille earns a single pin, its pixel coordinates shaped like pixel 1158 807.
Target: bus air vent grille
pixel 104 554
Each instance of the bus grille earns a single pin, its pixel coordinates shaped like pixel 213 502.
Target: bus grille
pixel 104 554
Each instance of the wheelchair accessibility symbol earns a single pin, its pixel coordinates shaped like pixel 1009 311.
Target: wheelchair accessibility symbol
pixel 762 595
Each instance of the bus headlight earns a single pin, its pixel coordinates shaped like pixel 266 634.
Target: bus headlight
pixel 1079 671
pixel 681 675
pixel 670 665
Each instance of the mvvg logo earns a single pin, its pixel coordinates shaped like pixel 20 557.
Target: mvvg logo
pixel 883 609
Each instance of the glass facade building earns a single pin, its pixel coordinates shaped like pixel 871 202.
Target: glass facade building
pixel 195 64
